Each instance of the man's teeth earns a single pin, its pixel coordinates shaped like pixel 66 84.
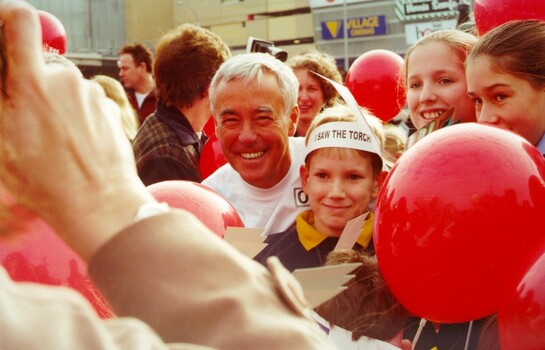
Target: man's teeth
pixel 431 115
pixel 252 155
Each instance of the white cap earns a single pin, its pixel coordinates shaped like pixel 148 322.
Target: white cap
pixel 345 134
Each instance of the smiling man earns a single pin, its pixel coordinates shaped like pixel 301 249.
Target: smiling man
pixel 254 101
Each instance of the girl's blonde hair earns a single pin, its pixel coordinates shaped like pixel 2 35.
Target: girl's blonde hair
pixel 461 42
pixel 114 90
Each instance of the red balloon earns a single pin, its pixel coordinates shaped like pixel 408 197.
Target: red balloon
pixel 210 127
pixel 211 157
pixel 373 79
pixel 521 318
pixel 206 204
pixel 53 33
pixel 455 218
pixel 38 255
pixel 491 13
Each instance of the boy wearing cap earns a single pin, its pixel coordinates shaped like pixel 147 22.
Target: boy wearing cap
pixel 341 176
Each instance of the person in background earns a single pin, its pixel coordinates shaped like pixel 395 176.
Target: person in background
pixel 434 77
pixel 506 79
pixel 168 145
pixel 135 66
pixel 114 90
pixel 65 158
pixel 340 177
pixel 254 100
pixel 315 93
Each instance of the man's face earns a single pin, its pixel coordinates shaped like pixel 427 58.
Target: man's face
pixel 129 73
pixel 253 129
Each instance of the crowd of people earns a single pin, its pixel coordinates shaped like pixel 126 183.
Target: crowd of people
pixel 303 163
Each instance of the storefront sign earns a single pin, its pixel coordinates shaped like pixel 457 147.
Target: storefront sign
pixel 326 3
pixel 357 27
pixel 412 10
pixel 414 31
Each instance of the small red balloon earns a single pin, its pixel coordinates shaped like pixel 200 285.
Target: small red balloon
pixel 53 33
pixel 455 219
pixel 491 13
pixel 521 318
pixel 211 157
pixel 373 79
pixel 38 255
pixel 210 127
pixel 206 204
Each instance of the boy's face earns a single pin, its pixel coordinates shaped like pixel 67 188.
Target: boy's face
pixel 339 188
pixel 506 100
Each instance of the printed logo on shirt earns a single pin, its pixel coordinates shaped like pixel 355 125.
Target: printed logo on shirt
pixel 300 198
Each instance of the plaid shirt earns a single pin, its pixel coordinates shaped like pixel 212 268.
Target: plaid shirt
pixel 167 148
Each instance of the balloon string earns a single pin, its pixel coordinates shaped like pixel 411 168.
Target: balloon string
pixel 468 334
pixel 419 331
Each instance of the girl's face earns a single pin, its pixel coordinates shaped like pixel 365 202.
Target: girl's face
pixel 506 100
pixel 339 188
pixel 436 83
pixel 310 99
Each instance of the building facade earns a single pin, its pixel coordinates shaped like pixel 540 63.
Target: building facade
pixel 97 28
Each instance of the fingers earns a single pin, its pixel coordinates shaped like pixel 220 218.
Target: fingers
pixel 22 36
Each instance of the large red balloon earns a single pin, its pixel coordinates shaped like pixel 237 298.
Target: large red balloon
pixel 38 255
pixel 53 33
pixel 521 318
pixel 211 157
pixel 491 13
pixel 206 204
pixel 373 79
pixel 455 219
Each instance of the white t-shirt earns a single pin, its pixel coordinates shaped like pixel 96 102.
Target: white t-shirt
pixel 140 98
pixel 273 209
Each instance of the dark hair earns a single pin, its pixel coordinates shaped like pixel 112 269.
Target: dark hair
pixel 139 53
pixel 517 48
pixel 186 59
pixel 489 336
pixel 367 307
